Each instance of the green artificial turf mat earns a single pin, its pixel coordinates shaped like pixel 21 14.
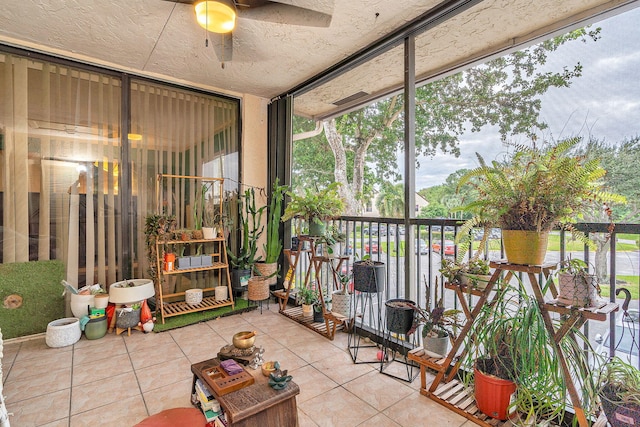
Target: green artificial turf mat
pixel 39 285
pixel 241 305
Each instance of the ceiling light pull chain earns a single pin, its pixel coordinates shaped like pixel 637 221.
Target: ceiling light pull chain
pixel 223 51
pixel 206 32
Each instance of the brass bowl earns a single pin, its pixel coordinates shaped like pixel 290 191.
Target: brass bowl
pixel 239 342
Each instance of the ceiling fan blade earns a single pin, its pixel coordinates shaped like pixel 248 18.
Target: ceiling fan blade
pixel 285 14
pixel 223 46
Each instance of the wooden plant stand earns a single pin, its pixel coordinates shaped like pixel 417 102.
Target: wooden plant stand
pixel 332 321
pixel 449 392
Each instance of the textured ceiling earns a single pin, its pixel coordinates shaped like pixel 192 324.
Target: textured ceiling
pixel 162 39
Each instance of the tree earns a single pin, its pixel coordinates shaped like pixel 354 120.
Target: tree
pixel 503 92
pixel 620 161
pixel 390 200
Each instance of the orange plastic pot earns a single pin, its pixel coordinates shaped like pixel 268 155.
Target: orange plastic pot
pixel 493 394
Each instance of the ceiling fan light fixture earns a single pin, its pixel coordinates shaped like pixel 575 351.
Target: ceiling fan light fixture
pixel 216 16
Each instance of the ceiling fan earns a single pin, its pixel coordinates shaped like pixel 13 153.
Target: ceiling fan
pixel 219 16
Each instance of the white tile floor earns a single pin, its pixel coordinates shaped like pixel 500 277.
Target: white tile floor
pixel 120 380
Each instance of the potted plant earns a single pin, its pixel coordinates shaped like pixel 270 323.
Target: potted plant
pixel 475 273
pixel 511 350
pixel 184 262
pixel 332 238
pixel 157 228
pixel 250 220
pixel 307 297
pixel 341 298
pixel 438 324
pixel 211 220
pixel 619 392
pixel 273 245
pixel 368 275
pixel 536 189
pixel 576 287
pixel 318 312
pixel 315 206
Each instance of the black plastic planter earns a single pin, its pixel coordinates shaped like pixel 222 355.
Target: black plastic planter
pixel 399 315
pixel 367 277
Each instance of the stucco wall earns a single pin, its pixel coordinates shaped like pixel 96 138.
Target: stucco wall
pixel 254 149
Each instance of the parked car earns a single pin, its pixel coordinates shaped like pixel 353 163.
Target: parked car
pixel 627 339
pixel 371 248
pixel 421 247
pixel 494 233
pixel 374 230
pixel 449 247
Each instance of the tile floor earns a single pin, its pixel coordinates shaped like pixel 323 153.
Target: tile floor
pixel 120 380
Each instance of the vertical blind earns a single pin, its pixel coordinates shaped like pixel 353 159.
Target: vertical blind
pixel 60 163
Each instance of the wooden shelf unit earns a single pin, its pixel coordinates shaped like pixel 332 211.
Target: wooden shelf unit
pixel 216 248
pixel 447 391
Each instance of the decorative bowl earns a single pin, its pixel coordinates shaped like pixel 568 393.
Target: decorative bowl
pixel 240 342
pixel 268 367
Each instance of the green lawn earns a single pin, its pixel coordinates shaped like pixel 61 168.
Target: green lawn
pixel 631 284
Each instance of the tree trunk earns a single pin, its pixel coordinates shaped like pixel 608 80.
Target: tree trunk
pixel 346 190
pixel 602 249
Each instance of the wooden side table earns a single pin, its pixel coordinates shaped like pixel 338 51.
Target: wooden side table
pixel 257 404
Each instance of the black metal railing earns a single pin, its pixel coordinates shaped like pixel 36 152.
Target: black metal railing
pixel 387 240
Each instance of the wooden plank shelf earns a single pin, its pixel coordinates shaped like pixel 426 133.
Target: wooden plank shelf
pixel 327 328
pixel 213 266
pixel 455 397
pixel 177 308
pixel 599 312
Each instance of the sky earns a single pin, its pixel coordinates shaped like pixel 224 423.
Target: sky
pixel 604 102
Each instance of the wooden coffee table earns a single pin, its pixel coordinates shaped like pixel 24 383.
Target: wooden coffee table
pixel 256 404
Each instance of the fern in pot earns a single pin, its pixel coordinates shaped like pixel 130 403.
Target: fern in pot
pixel 534 190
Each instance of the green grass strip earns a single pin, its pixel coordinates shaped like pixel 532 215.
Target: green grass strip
pixel 241 305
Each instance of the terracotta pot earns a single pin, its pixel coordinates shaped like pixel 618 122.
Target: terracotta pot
pixel 525 247
pixel 493 394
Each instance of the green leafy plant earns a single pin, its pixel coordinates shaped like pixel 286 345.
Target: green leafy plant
pixel 273 245
pixel 436 321
pixel 511 342
pixel 537 188
pixel 157 228
pixel 344 279
pixel 619 384
pixel 332 236
pixel 315 205
pixel 307 295
pixel 250 219
pixel 450 270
